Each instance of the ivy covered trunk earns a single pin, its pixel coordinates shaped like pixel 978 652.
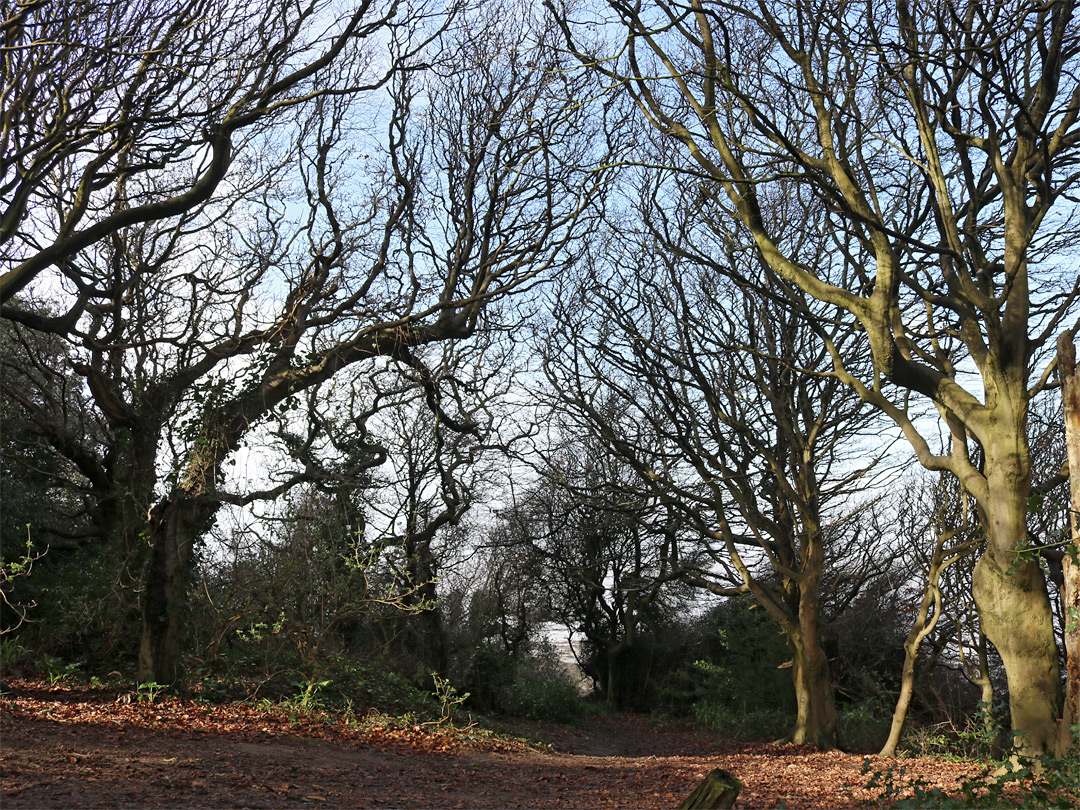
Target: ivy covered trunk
pixel 175 526
pixel 120 520
pixel 122 514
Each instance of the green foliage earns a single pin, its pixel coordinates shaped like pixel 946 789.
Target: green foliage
pixel 734 686
pixel 864 726
pixel 308 698
pixel 980 738
pixel 738 724
pixel 528 680
pixel 79 612
pixel 383 689
pixel 149 691
pixel 546 694
pixel 57 671
pixel 213 688
pixel 11 653
pixel 15 570
pixel 919 740
pixel 448 698
pixel 1042 781
pixel 532 683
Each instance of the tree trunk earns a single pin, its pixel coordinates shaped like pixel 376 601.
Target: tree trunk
pixel 816 717
pixel 986 693
pixel 922 627
pixel 903 702
pixel 916 635
pixel 1014 610
pixel 1070 396
pixel 422 599
pixel 614 656
pixel 797 614
pixel 119 519
pixel 175 527
pixel 718 790
pixel 140 459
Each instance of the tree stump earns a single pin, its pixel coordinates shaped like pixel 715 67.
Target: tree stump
pixel 717 790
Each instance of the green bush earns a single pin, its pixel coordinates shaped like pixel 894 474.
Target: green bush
pixel 488 677
pixel 864 727
pixel 55 670
pixel 1041 782
pixel 11 653
pixel 546 694
pixel 984 736
pixel 533 684
pixel 743 724
pixel 735 686
pixel 80 614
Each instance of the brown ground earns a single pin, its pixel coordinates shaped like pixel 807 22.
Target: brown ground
pixel 69 747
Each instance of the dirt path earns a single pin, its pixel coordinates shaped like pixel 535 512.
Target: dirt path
pixel 78 749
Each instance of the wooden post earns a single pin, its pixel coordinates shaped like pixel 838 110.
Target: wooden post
pixel 1070 397
pixel 717 790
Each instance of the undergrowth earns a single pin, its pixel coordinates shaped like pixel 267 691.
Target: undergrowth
pixel 1018 781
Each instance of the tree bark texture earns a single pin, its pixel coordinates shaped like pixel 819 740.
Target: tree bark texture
pixel 1014 609
pixel 164 599
pixel 926 619
pixel 1008 585
pixel 1070 395
pixel 175 526
pixel 718 790
pixel 173 534
pixel 919 631
pixel 816 716
pixel 797 613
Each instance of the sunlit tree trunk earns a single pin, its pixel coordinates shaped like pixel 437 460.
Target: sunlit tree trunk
pixel 1014 608
pixel 1070 395
pixel 926 619
pixel 816 716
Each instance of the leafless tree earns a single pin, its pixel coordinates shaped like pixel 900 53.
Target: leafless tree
pixel 952 538
pixel 118 113
pixel 335 245
pixel 729 412
pixel 610 553
pixel 939 142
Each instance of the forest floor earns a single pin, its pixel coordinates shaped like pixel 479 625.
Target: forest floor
pixel 68 746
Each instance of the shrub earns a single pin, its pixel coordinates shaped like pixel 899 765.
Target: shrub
pixel 544 691
pixel 1030 782
pixel 743 724
pixel 734 686
pixel 864 726
pixel 533 684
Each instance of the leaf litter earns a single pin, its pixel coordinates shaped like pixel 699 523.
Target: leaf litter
pixel 79 747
